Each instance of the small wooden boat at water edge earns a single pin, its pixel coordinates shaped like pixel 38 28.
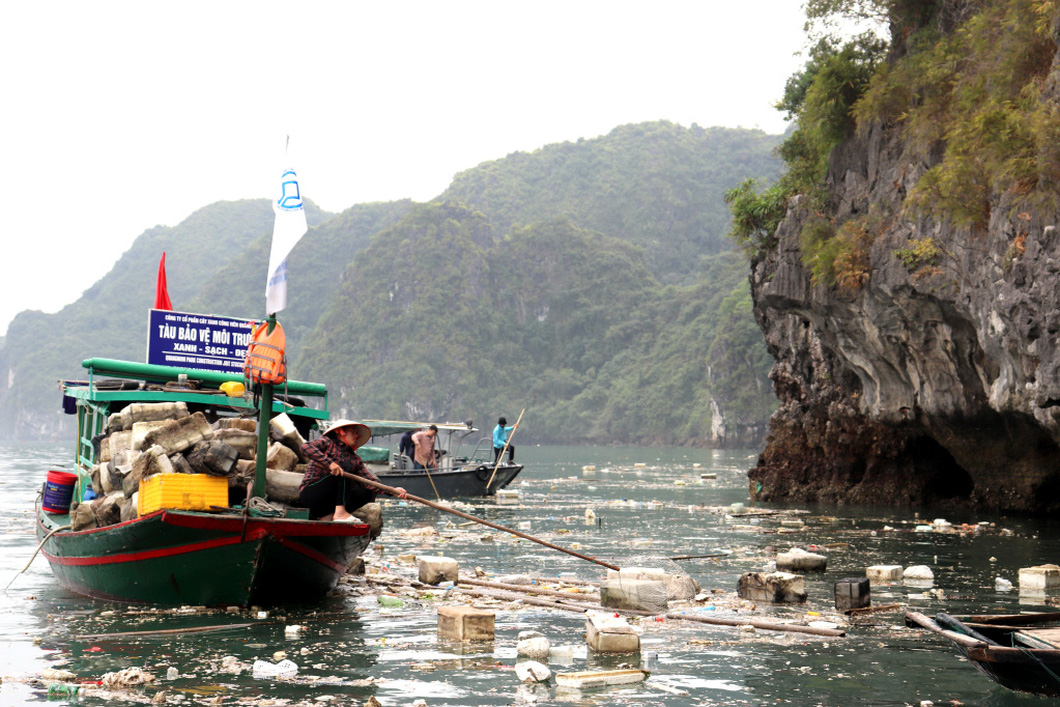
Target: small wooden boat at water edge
pixel 455 476
pixel 1018 651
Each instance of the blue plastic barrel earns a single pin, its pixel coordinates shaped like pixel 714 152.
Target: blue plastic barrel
pixel 58 490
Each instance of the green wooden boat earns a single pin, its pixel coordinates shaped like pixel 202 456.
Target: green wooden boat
pixel 216 558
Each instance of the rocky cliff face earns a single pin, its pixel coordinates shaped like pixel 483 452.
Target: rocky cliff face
pixel 937 390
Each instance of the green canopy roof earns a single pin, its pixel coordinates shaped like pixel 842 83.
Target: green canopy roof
pixel 383 428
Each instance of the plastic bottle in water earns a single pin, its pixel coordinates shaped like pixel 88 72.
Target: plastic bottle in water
pixel 62 689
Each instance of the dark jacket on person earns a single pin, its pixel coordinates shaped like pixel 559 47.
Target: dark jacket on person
pixel 405 446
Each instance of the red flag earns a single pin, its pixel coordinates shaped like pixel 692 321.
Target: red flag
pixel 161 291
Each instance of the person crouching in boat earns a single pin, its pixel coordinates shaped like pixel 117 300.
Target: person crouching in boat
pixel 325 491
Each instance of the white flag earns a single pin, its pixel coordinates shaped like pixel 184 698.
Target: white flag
pixel 290 225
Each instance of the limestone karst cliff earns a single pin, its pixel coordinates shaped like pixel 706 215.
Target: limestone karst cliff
pixel 923 381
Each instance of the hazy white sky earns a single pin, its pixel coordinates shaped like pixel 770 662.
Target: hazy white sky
pixel 123 115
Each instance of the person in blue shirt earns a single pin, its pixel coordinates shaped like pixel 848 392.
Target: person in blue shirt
pixel 500 436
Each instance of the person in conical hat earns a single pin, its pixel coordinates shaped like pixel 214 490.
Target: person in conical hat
pixel 325 490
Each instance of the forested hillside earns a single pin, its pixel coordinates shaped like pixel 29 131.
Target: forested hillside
pixel 315 264
pixel 441 318
pixel 587 281
pixel 657 185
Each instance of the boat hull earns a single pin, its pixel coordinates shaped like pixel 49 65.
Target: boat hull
pixel 186 557
pixel 983 643
pixel 1021 669
pixel 468 481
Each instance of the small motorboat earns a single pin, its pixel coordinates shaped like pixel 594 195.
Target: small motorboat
pixel 456 475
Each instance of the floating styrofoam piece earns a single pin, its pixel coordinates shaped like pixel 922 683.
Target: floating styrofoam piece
pixel 283 669
pixel 884 573
pixel 532 671
pixel 773 587
pixel 599 678
pixel 561 654
pixel 823 624
pixel 535 647
pixel 608 633
pixel 465 623
pixel 1039 579
pixel 436 568
pixel 798 560
pixel 918 572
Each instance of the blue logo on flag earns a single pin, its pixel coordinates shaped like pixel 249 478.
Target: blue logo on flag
pixel 291 198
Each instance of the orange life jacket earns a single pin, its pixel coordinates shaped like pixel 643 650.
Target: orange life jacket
pixel 266 360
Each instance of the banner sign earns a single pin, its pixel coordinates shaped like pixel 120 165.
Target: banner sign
pixel 205 342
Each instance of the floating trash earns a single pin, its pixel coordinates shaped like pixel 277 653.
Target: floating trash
pixel 283 669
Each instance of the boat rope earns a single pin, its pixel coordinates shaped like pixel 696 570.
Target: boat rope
pixel 260 507
pixel 52 532
pixel 1030 654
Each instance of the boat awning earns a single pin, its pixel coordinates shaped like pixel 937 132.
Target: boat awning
pixel 153 372
pixel 374 455
pixel 383 428
pixel 289 398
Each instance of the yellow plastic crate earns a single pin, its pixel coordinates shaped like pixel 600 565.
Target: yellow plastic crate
pixel 186 492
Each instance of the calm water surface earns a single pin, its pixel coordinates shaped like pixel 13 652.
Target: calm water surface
pixel 352 648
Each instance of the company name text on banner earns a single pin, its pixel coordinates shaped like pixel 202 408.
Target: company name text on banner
pixel 205 342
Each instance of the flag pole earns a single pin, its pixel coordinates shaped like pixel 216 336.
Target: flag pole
pixel 290 225
pixel 264 418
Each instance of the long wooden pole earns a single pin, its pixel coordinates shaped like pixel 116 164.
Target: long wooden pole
pixel 436 494
pixel 393 491
pixel 501 455
pixel 582 607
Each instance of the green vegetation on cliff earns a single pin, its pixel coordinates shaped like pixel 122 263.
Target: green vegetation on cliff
pixel 965 84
